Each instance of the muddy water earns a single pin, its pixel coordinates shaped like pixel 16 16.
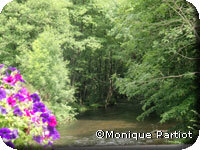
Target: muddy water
pixel 119 119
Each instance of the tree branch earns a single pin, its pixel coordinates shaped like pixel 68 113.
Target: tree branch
pixel 183 16
pixel 187 57
pixel 168 77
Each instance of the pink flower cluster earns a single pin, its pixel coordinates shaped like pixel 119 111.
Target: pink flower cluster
pixel 16 100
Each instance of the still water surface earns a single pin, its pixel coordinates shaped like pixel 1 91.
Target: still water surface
pixel 119 119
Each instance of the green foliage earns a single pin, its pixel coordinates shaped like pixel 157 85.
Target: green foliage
pixel 21 23
pixel 45 69
pixel 91 51
pixel 158 44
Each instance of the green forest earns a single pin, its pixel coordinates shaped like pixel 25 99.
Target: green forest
pixel 82 55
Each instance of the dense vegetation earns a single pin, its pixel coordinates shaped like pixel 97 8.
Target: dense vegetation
pixel 96 53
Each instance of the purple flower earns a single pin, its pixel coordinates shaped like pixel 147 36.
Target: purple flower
pixel 37 139
pixel 51 129
pixel 7 74
pixel 19 97
pixel 19 77
pixel 3 110
pixel 49 144
pixel 17 111
pixel 53 132
pixel 14 134
pixel 56 135
pixel 10 144
pixel 1 66
pixel 5 133
pixel 38 107
pixel 35 98
pixel 45 117
pixel 12 68
pixel 2 94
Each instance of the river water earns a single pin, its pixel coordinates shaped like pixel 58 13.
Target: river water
pixel 120 118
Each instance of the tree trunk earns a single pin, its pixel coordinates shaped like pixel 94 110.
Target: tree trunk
pixel 110 90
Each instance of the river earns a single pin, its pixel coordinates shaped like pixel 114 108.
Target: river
pixel 121 118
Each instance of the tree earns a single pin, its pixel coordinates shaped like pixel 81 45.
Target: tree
pixel 91 52
pixel 46 70
pixel 159 49
pixel 22 21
